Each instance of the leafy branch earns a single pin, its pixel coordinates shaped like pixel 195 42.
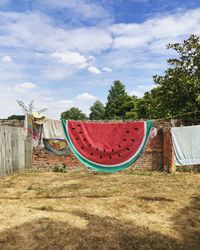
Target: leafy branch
pixel 30 108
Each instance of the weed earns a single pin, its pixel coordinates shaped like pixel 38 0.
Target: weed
pixel 60 168
pixel 30 187
pixel 46 208
pixel 138 172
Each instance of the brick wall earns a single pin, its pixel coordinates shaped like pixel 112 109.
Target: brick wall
pixel 151 158
pixel 43 159
pixel 13 123
pixel 158 154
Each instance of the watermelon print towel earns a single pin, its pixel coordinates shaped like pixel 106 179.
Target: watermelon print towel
pixel 104 146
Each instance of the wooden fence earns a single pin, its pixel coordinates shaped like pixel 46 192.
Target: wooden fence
pixel 15 151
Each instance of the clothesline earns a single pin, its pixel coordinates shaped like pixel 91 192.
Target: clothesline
pixel 174 116
pixel 131 120
pixel 156 119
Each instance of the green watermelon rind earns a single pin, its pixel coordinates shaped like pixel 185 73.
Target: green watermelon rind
pixel 108 168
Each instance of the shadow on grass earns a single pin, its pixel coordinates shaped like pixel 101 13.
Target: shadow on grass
pixel 155 198
pixel 104 233
pixel 187 223
pixel 100 233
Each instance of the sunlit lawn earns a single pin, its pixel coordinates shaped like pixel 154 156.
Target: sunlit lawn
pixel 86 210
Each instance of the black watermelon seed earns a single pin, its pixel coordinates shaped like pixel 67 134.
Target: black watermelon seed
pixel 124 139
pixel 90 145
pixel 127 131
pixel 77 138
pixel 82 147
pixel 100 156
pixel 73 128
pixel 104 150
pixel 119 146
pixel 136 128
pixel 113 150
pixel 78 125
pixel 80 132
pixel 84 139
pixel 97 149
pixel 110 157
pixel 133 140
pixel 119 155
pixel 91 154
pixel 128 149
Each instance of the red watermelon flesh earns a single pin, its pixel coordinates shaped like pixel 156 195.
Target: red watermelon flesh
pixel 106 143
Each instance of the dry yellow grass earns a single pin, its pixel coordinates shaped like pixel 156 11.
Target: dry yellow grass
pixel 85 210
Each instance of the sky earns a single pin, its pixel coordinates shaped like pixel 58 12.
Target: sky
pixel 65 53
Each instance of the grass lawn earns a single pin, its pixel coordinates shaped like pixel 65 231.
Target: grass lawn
pixel 88 210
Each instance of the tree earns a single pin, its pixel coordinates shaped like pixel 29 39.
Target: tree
pixel 16 117
pixel 73 114
pixel 97 111
pixel 148 107
pixel 117 97
pixel 30 108
pixel 178 90
pixel 130 108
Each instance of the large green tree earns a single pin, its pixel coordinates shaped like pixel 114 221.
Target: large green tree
pixel 130 108
pixel 148 107
pixel 116 106
pixel 97 111
pixel 73 114
pixel 178 90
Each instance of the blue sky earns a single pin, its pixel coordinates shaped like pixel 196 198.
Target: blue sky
pixel 65 53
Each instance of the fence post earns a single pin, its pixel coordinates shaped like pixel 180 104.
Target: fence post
pixel 28 153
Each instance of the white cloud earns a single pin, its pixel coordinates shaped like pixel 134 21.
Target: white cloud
pixel 6 59
pixel 107 69
pixel 71 58
pixel 26 86
pixel 39 54
pixel 81 9
pixel 49 98
pixel 94 70
pixel 131 42
pixel 167 27
pixel 141 89
pixel 54 73
pixel 66 102
pixel 134 51
pixel 36 30
pixel 85 97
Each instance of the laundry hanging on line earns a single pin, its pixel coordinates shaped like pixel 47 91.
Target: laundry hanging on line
pixel 46 133
pixel 186 144
pixel 57 147
pixel 104 146
pixel 52 129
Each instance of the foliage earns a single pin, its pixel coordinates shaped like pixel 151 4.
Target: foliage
pixel 148 107
pixel 178 91
pixel 118 102
pixel 73 114
pixel 16 117
pixel 30 108
pixel 97 111
pixel 130 108
pixel 60 168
